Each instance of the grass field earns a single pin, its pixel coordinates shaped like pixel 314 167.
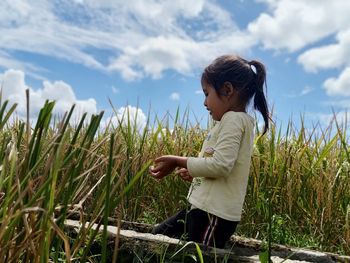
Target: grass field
pixel 298 192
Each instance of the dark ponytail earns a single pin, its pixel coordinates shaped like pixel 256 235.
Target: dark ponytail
pixel 249 78
pixel 260 102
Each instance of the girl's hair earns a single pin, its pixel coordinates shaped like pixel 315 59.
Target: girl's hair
pixel 248 77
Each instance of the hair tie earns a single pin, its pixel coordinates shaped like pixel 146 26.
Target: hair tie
pixel 253 68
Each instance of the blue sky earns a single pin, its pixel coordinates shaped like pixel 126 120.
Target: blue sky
pixel 151 53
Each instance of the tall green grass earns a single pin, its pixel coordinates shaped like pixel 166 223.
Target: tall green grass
pixel 305 175
pixel 298 192
pixel 50 170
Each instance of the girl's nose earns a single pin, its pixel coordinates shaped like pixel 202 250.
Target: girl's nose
pixel 205 103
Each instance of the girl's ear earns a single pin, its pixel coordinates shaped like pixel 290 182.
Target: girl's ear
pixel 228 89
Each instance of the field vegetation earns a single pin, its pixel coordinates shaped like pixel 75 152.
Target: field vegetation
pixel 298 192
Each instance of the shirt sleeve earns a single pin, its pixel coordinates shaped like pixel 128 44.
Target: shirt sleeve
pixel 225 151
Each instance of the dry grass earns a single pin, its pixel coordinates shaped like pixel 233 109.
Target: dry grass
pixel 302 178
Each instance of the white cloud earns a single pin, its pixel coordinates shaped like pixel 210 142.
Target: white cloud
pixel 326 119
pixel 328 56
pixel 8 62
pixel 292 25
pixel 151 56
pixel 135 116
pixel 199 92
pixel 115 90
pixel 175 96
pixel 306 90
pixel 148 37
pixel 14 89
pixel 155 55
pixel 340 85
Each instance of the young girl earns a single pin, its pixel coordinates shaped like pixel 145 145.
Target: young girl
pixel 219 175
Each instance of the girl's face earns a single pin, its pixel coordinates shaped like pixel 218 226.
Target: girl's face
pixel 215 104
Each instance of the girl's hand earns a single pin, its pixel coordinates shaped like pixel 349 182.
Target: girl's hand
pixel 184 174
pixel 167 164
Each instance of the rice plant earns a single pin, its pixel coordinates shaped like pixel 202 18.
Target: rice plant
pixel 50 170
pixel 305 175
pixel 298 192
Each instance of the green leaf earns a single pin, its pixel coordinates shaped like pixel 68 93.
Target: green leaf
pixel 264 257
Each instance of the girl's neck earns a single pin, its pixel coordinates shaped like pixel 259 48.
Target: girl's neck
pixel 237 108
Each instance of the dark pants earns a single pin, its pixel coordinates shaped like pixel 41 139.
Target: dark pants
pixel 198 226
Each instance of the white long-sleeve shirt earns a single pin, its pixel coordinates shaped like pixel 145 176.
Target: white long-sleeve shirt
pixel 221 171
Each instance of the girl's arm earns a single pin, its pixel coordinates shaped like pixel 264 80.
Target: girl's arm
pixel 167 164
pixel 226 149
